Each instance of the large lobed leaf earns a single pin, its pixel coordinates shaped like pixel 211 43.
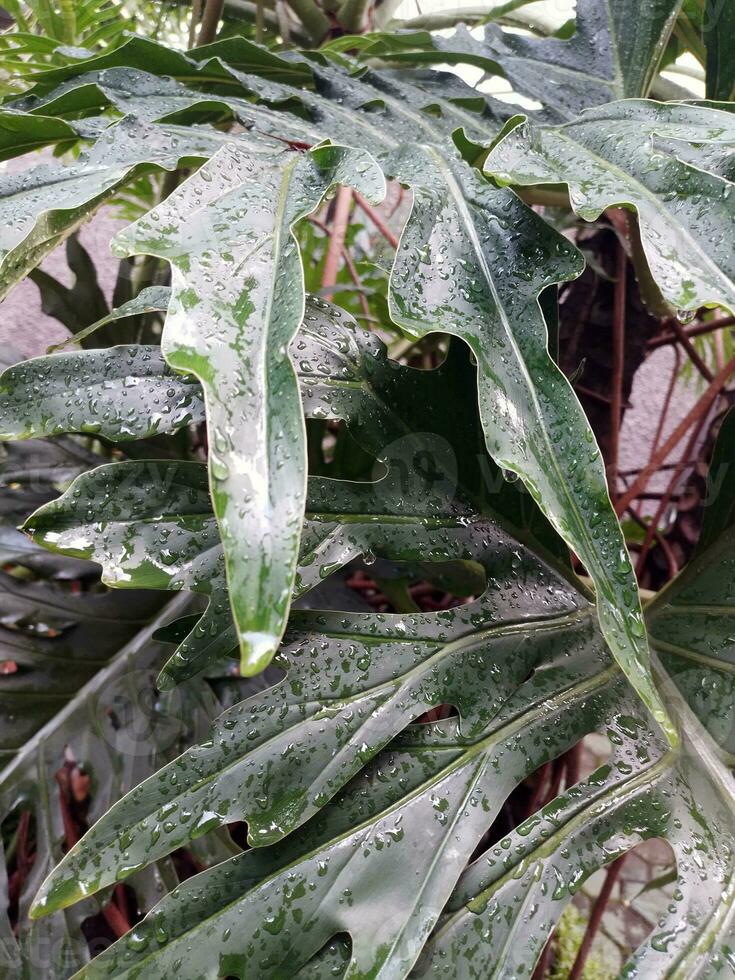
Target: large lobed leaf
pixel 390 811
pixel 613 53
pixel 396 839
pixel 400 819
pixel 668 162
pixel 237 301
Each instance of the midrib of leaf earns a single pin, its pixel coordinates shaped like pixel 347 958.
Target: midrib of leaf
pixel 439 852
pixel 615 794
pixel 277 238
pixel 685 609
pixel 715 554
pixel 617 79
pixel 576 73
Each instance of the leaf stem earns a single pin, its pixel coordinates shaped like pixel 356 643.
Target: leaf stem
pixel 340 220
pixel 662 339
pixel 377 220
pixel 210 21
pixel 691 350
pixel 618 363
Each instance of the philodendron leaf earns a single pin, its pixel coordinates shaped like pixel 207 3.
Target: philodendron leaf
pixel 690 621
pixel 719 513
pixel 718 28
pixel 613 53
pixel 70 703
pixel 117 392
pixel 409 822
pixel 390 853
pixel 51 643
pixel 349 687
pixel 44 205
pixel 398 414
pixel 151 299
pixel 652 158
pixel 21 132
pixel 207 63
pixel 471 262
pixel 237 302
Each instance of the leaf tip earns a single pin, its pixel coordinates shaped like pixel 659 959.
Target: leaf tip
pixel 165 681
pixel 55 894
pixel 256 652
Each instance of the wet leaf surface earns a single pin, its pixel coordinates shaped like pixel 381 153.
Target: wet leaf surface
pixel 685 209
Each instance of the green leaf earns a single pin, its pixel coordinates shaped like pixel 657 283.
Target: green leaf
pixel 344 373
pixel 719 513
pixel 652 158
pixel 396 672
pixel 613 53
pixel 372 110
pixel 205 63
pixel 389 854
pixel 107 392
pixel 237 301
pixel 718 28
pixel 472 261
pixel 116 727
pixel 57 640
pixel 42 207
pixel 21 132
pixel 690 621
pixel 77 305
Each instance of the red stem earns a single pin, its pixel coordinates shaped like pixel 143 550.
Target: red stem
pixel 598 909
pixel 691 350
pixel 662 339
pixel 616 396
pixel 652 530
pixel 340 219
pixel 376 220
pixel 700 409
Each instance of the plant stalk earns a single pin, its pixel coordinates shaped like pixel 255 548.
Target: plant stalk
pixel 210 21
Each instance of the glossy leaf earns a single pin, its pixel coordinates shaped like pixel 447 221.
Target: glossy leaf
pixel 685 211
pixel 373 110
pixel 118 729
pixel 472 261
pixel 613 53
pixel 44 205
pixel 109 392
pixel 205 62
pixel 151 299
pixel 404 829
pixel 690 620
pixel 22 132
pixel 409 822
pixel 363 822
pixel 56 641
pixel 237 301
pixel 343 374
pixel 389 681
